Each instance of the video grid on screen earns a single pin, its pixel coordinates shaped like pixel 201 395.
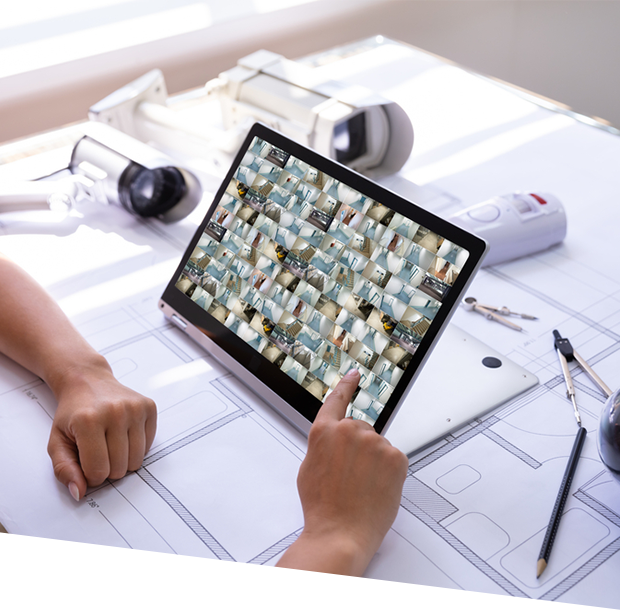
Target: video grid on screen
pixel 319 278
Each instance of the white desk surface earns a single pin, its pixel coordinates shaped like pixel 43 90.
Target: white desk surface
pixel 220 479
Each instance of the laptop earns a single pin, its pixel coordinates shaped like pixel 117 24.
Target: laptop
pixel 303 269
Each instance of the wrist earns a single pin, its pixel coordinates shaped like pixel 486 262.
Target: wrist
pixel 76 371
pixel 334 553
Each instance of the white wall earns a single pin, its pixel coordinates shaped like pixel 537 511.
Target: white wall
pixel 567 50
pixel 45 98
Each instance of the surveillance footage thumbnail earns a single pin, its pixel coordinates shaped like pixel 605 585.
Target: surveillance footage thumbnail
pixel 318 278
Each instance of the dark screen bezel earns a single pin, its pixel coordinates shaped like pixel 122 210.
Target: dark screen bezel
pixel 256 364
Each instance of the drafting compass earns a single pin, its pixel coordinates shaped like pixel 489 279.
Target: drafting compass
pixel 496 313
pixel 567 354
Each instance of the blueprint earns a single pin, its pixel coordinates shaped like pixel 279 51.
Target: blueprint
pixel 219 481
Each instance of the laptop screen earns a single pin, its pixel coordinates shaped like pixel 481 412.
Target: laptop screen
pixel 318 277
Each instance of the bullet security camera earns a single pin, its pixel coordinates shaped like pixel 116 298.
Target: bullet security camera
pixel 108 166
pixel 128 172
pixel 351 124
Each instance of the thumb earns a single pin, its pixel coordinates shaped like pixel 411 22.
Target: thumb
pixel 65 460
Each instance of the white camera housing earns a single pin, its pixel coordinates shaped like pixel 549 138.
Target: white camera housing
pixel 348 123
pixel 128 172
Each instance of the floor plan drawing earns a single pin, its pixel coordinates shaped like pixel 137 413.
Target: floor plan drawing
pixel 220 479
pixel 212 444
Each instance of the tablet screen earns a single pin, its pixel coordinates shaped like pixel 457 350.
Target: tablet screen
pixel 318 276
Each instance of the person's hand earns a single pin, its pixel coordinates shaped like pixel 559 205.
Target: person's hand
pixel 101 430
pixel 350 485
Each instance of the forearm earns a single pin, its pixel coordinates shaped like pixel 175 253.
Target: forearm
pixel 101 428
pixel 335 554
pixel 35 332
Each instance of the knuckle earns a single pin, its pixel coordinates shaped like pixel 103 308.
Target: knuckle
pixel 112 411
pixel 348 427
pixel 140 409
pixel 96 476
pixel 120 410
pixel 318 429
pixel 135 464
pixel 86 417
pixel 350 431
pixel 337 395
pixel 398 460
pixel 118 472
pixel 52 443
pixel 151 408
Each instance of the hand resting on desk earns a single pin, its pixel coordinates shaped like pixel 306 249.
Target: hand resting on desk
pixel 101 429
pixel 350 485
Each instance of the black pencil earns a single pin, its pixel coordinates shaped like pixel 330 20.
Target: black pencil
pixel 558 508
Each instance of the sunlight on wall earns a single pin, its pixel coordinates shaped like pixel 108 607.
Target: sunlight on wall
pixel 97 40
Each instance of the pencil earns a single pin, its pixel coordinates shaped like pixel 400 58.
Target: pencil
pixel 558 508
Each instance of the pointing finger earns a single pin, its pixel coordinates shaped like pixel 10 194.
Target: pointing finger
pixel 335 407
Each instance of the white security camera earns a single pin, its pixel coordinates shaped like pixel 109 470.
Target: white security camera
pixel 124 171
pixel 108 166
pixel 348 123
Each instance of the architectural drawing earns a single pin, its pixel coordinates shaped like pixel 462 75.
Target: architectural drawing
pixel 219 481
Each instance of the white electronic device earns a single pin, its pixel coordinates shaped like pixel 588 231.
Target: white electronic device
pixel 110 167
pixel 515 225
pixel 348 123
pixel 126 171
pixel 351 124
pixel 303 269
pixel 464 379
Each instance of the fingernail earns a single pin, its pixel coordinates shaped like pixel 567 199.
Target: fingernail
pixel 74 491
pixel 352 373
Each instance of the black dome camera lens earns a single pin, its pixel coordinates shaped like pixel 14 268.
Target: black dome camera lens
pixel 151 192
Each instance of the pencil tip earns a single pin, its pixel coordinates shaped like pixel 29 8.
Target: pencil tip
pixel 540 567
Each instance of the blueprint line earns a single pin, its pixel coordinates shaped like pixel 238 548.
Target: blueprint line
pixel 556 304
pixel 601 509
pixel 462 549
pixel 141 515
pixel 130 341
pixel 583 571
pixel 201 532
pixel 502 442
pixel 427 499
pixel 532 396
pixel 559 380
pixel 171 345
pixel 25 387
pixel 192 437
pixel 224 388
pixel 459 440
pixel 112 526
pixel 276 548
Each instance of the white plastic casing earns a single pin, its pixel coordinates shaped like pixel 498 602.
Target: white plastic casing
pixel 291 98
pixel 39 195
pixel 515 225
